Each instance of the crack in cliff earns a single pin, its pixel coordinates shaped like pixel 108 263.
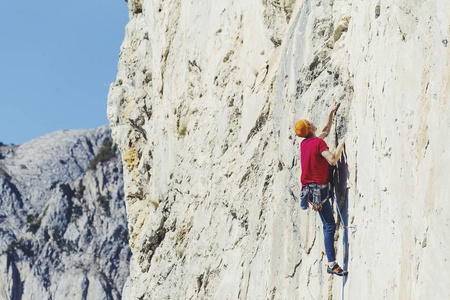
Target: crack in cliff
pixel 134 124
pixel 150 245
pixel 308 249
pixel 295 269
pixel 259 124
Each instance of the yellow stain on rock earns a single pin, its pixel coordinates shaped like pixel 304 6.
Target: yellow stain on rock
pixel 131 157
pixel 130 105
pixel 154 203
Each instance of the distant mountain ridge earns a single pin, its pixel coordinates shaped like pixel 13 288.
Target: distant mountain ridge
pixel 63 228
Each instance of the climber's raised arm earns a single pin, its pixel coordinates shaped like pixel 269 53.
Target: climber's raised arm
pixel 332 158
pixel 327 128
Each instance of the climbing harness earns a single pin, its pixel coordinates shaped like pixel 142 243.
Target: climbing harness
pixel 311 193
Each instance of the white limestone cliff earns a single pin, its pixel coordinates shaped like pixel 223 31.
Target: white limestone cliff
pixel 203 109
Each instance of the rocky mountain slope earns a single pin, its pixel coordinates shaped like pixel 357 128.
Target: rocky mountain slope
pixel 63 227
pixel 203 111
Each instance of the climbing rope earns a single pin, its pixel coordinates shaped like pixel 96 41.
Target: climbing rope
pixel 339 211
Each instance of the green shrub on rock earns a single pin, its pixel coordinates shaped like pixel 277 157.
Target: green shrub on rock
pixel 106 152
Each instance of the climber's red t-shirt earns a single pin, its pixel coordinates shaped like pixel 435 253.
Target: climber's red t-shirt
pixel 314 165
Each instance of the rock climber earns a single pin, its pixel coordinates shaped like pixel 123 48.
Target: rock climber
pixel 315 157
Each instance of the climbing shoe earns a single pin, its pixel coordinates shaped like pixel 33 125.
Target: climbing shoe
pixel 336 270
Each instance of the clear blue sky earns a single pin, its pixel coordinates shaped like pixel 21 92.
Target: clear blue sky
pixel 57 60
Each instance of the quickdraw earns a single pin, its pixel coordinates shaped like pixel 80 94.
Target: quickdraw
pixel 316 199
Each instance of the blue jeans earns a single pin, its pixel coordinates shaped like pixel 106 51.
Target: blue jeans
pixel 329 226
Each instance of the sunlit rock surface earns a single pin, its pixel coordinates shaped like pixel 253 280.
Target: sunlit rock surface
pixel 203 110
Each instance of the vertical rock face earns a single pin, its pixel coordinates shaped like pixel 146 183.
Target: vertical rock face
pixel 203 110
pixel 63 224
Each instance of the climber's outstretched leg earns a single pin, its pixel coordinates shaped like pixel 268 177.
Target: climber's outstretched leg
pixel 329 229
